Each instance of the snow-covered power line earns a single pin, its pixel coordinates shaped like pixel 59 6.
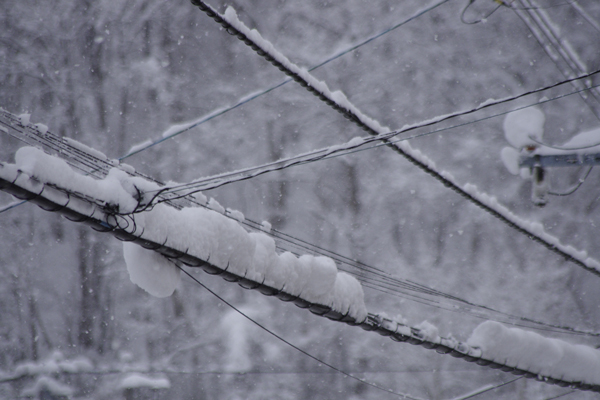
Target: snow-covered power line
pixel 338 101
pixel 371 277
pixel 176 130
pixel 204 239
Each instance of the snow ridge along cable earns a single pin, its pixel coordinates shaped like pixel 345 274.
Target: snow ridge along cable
pixel 338 101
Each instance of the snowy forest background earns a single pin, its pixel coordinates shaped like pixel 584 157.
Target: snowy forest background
pixel 114 73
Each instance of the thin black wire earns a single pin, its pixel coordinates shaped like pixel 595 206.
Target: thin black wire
pixel 561 395
pixel 247 99
pixel 574 188
pixel 489 389
pixel 289 343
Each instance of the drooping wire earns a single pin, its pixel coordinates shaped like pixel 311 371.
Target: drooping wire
pixel 326 153
pixel 11 205
pixel 249 98
pixel 580 182
pixel 280 338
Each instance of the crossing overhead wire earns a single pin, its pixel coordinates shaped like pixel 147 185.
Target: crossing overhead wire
pixel 249 98
pixel 486 389
pixel 12 205
pixel 561 395
pixel 219 180
pixel 280 338
pixel 356 119
pixel 419 135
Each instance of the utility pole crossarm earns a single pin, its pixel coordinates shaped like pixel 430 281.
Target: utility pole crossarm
pixel 560 160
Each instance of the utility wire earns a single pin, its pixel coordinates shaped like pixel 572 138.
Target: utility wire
pixel 278 337
pixel 561 395
pixel 219 180
pixel 248 98
pixel 486 389
pixel 537 22
pixel 575 187
pixel 589 146
pixel 585 15
pixel 351 113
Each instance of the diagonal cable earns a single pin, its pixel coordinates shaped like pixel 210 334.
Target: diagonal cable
pixel 179 129
pixel 341 104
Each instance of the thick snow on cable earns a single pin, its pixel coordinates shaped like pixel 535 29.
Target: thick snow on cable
pixel 203 232
pixel 532 352
pixel 151 271
pixel 211 236
pixel 522 125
